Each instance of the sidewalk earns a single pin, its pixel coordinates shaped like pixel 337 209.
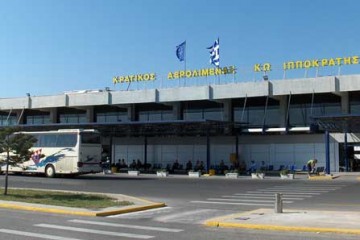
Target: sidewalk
pixel 138 205
pixel 292 220
pixel 300 176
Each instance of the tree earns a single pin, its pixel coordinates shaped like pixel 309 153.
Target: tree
pixel 16 146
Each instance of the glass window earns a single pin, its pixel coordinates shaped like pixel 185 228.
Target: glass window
pixel 90 138
pixel 300 114
pixel 159 115
pixel 55 140
pixel 66 140
pixel 6 120
pixel 213 114
pixel 73 118
pixel 41 119
pixel 112 117
pixel 193 114
pixel 272 116
pixel 255 116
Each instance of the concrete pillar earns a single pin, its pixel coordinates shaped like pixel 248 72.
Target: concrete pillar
pixel 131 113
pixel 177 111
pixel 53 115
pixel 228 111
pixel 283 107
pixel 345 103
pixel 90 116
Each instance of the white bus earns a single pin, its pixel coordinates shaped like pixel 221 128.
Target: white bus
pixel 66 151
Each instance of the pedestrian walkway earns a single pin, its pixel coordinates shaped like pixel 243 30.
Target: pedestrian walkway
pixel 95 228
pixel 292 220
pixel 265 197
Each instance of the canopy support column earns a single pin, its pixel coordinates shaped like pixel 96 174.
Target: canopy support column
pixel 327 151
pixel 346 153
pixel 207 152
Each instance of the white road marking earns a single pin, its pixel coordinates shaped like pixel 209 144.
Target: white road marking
pixel 182 214
pixel 127 226
pixel 291 190
pixel 234 203
pixel 246 200
pixel 86 230
pixel 286 192
pixel 37 235
pixel 261 197
pixel 304 188
pixel 271 195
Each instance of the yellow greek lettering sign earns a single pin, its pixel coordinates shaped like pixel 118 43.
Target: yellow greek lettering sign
pixel 134 78
pixel 313 63
pixel 205 72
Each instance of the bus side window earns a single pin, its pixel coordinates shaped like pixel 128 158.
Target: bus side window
pixel 66 140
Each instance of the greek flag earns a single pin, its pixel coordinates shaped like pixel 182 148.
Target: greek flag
pixel 180 51
pixel 215 53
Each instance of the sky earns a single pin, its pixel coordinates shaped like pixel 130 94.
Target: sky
pixel 48 47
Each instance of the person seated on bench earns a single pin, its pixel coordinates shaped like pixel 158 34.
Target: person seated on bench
pixel 122 164
pixel 133 165
pixel 175 165
pixel 189 165
pixel 222 167
pixel 252 168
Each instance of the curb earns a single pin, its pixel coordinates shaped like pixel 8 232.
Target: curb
pixel 129 210
pixel 326 177
pixel 280 228
pixel 225 222
pixel 50 209
pixel 142 204
pixel 53 209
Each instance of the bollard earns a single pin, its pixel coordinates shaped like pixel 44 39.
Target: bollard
pixel 278 203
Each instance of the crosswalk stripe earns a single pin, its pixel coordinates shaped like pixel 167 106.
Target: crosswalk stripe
pixel 271 195
pixel 234 203
pixel 183 214
pixel 305 188
pixel 127 226
pixel 261 197
pixel 245 200
pixel 37 235
pixel 293 190
pixel 74 229
pixel 285 192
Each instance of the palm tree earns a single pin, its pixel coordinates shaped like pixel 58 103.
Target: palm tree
pixel 18 145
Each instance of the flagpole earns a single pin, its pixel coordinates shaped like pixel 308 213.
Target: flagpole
pixel 185 65
pixel 219 59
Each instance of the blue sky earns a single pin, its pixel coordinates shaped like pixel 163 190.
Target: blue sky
pixel 51 46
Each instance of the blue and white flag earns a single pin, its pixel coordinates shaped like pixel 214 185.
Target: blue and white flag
pixel 215 53
pixel 180 51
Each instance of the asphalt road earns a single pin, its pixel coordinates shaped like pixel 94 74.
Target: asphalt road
pixel 190 202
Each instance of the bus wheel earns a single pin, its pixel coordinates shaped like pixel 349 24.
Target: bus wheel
pixel 50 171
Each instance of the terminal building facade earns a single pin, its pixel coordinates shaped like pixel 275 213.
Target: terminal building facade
pixel 265 121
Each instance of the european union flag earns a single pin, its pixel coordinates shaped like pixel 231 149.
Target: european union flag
pixel 180 51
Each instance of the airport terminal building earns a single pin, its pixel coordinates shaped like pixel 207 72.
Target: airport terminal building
pixel 269 120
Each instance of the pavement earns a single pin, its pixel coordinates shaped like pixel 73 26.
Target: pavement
pixel 292 220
